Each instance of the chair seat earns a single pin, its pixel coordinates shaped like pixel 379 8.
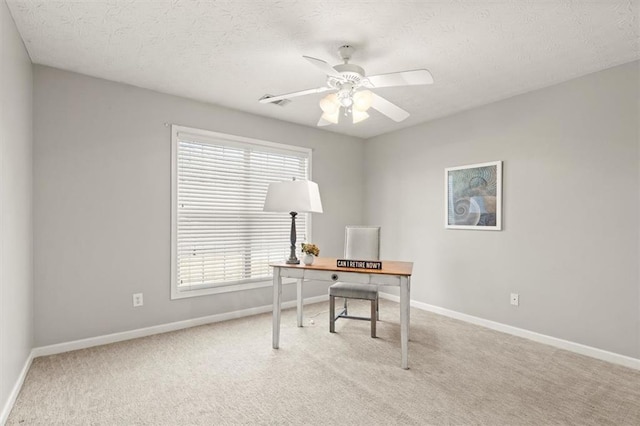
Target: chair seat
pixel 354 291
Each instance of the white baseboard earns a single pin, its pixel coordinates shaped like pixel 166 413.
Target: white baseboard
pixel 8 405
pixel 531 335
pixel 162 328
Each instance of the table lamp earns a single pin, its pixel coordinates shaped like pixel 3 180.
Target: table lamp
pixel 293 196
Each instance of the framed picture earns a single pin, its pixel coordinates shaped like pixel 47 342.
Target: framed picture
pixel 473 196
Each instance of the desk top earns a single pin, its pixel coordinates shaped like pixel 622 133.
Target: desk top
pixel 389 267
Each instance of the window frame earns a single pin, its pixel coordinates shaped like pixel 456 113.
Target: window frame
pixel 207 136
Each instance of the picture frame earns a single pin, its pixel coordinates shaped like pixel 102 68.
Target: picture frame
pixel 473 197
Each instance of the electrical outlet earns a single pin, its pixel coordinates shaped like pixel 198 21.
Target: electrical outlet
pixel 137 300
pixel 515 299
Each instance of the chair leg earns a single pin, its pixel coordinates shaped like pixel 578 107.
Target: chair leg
pixel 373 318
pixel 332 314
pixel 345 306
pixel 377 310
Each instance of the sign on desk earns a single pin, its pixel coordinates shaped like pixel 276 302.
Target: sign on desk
pixel 359 264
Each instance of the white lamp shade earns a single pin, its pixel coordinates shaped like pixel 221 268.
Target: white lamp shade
pixel 362 100
pixel 329 104
pixel 301 196
pixel 331 118
pixel 358 116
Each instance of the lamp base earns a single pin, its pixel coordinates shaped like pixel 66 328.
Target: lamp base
pixel 293 260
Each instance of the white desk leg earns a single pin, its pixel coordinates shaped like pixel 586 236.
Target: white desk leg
pixel 409 309
pixel 277 299
pixel 299 293
pixel 404 321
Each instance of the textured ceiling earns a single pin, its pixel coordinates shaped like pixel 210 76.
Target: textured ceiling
pixel 231 53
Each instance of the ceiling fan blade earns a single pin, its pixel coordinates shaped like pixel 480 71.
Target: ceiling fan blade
pixel 323 66
pixel 268 98
pixel 403 78
pixel 389 109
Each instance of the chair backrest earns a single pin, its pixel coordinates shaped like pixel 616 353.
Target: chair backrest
pixel 362 242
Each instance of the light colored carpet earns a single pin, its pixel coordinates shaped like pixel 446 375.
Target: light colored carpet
pixel 227 373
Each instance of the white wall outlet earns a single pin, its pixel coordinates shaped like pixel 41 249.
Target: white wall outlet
pixel 137 300
pixel 515 299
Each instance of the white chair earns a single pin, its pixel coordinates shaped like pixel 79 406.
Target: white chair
pixel 360 243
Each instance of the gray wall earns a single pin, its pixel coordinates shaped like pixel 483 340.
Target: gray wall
pixel 16 231
pixel 569 244
pixel 102 202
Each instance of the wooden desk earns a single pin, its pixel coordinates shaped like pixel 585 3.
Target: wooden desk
pixel 394 273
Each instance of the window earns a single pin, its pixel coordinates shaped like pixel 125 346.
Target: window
pixel 221 240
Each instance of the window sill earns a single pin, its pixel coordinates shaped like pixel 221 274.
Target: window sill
pixel 183 294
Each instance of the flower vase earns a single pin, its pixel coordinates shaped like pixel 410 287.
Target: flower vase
pixel 307 259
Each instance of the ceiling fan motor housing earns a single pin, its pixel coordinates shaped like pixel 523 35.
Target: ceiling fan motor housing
pixel 349 73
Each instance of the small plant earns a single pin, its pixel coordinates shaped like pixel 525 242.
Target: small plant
pixel 309 248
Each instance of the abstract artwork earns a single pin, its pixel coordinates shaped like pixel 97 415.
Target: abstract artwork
pixel 474 196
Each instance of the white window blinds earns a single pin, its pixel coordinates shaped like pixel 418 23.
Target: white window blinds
pixel 222 235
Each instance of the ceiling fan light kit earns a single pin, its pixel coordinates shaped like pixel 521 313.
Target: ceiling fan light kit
pixel 350 90
pixel 354 104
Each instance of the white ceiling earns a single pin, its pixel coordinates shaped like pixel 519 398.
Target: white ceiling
pixel 232 52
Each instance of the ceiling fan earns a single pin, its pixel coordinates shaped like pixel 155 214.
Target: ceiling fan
pixel 349 86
